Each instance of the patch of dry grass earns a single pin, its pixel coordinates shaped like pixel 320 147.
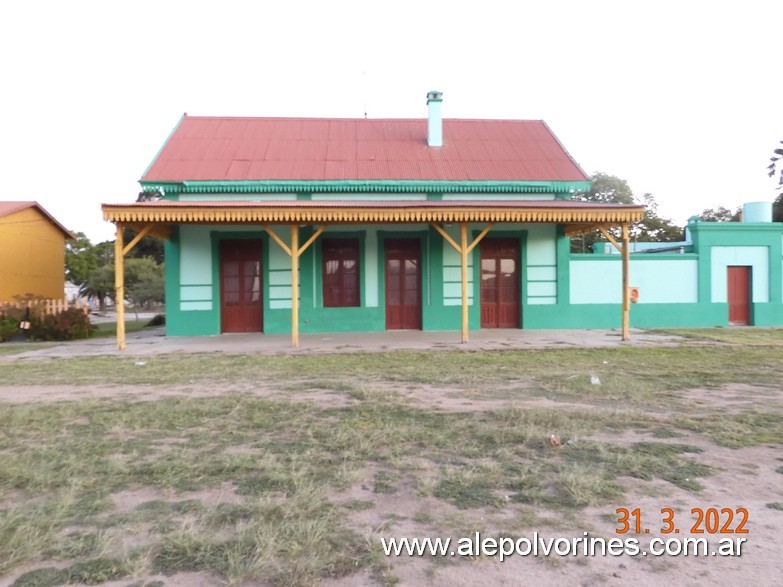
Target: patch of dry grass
pixel 62 463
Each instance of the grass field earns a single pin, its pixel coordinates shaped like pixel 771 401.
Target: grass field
pixel 251 471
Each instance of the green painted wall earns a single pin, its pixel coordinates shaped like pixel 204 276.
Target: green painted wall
pixel 193 281
pixel 192 322
pixel 707 236
pixel 661 279
pixel 451 274
pixel 642 316
pixel 755 257
pixel 540 263
pixel 558 289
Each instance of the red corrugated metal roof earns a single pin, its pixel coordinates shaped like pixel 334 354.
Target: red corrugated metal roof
pixel 314 149
pixel 8 208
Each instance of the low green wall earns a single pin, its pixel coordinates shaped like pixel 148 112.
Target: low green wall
pixel 770 314
pixel 313 320
pixel 610 316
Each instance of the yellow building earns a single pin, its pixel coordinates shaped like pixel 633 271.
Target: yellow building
pixel 32 252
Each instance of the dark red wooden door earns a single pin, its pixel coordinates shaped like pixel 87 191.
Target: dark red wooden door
pixel 739 295
pixel 500 304
pixel 241 302
pixel 403 284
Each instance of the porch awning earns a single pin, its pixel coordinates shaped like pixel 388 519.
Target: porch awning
pixel 157 217
pixel 576 216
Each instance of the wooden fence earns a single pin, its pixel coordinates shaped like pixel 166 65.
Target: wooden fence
pixel 47 306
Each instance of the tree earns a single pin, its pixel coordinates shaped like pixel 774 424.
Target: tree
pixel 99 285
pixel 653 228
pixel 104 252
pixel 80 259
pixel 149 246
pixel 91 267
pixel 607 189
pixel 604 189
pixel 777 206
pixel 144 282
pixel 720 214
pixel 610 189
pixel 150 196
pixel 777 155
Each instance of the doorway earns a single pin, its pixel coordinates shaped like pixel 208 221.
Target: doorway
pixel 500 299
pixel 402 262
pixel 739 294
pixel 241 300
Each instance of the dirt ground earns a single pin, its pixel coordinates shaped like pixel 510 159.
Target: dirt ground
pixel 746 478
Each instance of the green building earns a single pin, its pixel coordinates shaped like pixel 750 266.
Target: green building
pixel 281 225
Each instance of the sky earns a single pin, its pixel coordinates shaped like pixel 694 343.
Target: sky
pixel 682 99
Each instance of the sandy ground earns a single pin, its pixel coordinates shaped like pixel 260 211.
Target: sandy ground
pixel 745 478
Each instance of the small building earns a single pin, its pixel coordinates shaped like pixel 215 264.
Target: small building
pixel 285 224
pixel 723 273
pixel 32 252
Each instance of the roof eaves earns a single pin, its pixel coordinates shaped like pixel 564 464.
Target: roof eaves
pixel 400 211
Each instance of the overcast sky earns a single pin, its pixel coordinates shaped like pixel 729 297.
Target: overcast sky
pixel 683 99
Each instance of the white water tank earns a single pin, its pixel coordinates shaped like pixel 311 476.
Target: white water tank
pixel 757 212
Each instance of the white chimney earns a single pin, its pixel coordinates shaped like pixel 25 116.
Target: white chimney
pixel 434 120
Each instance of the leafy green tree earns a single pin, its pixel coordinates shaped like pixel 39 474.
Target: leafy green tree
pixel 610 189
pixel 91 267
pixel 144 282
pixel 607 189
pixel 720 214
pixel 653 228
pixel 149 246
pixel 104 252
pixel 80 259
pixel 99 285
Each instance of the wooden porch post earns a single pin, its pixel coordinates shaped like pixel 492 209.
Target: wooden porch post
pixel 294 251
pixel 295 285
pixel 626 288
pixel 624 246
pixel 119 286
pixel 464 250
pixel 463 233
